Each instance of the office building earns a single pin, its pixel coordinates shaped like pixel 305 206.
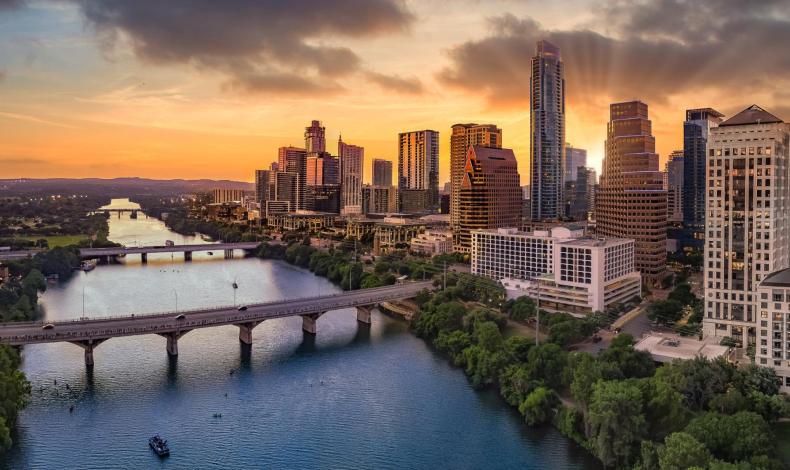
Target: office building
pixel 294 160
pixel 568 271
pixel 324 198
pixel 490 195
pixel 630 201
pixel 747 220
pixel 379 199
pixel 574 158
pixel 773 331
pixel 580 194
pixel 382 172
pixel 696 132
pixel 418 170
pixel 432 242
pixel 462 137
pixel 322 169
pixel 674 171
pixel 219 196
pixel 351 158
pixel 315 138
pixel 276 191
pixel 547 133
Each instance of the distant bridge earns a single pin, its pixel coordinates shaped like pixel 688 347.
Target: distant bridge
pixel 90 332
pixel 144 251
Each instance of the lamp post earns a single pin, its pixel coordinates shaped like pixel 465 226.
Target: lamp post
pixel 176 294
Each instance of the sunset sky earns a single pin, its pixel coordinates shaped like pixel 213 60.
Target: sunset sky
pixel 210 89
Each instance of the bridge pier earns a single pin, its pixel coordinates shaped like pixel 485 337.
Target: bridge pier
pixel 245 331
pixel 363 313
pixel 144 257
pixel 187 256
pixel 88 346
pixel 172 341
pixel 229 254
pixel 309 322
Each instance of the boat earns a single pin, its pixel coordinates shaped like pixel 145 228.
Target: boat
pixel 159 446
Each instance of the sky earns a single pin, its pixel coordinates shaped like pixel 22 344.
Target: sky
pixel 208 89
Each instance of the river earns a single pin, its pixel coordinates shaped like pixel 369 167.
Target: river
pixel 353 396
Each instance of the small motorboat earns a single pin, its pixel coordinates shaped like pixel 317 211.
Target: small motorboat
pixel 159 446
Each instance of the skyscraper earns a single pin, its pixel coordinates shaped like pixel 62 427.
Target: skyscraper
pixel 314 138
pixel 696 131
pixel 547 142
pixel 580 199
pixel 294 160
pixel 352 159
pixel 418 168
pixel 574 158
pixel 675 169
pixel 322 169
pixel 276 189
pixel 382 172
pixel 630 201
pixel 462 137
pixel 490 193
pixel 748 222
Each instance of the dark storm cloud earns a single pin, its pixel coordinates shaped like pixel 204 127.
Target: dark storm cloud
pixel 258 44
pixel 688 46
pixel 411 86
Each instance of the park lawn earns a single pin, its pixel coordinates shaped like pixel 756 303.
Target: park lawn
pixel 782 432
pixel 58 240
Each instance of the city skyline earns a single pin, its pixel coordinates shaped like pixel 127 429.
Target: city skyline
pixel 76 104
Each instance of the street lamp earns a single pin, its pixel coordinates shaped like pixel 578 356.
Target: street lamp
pixel 176 294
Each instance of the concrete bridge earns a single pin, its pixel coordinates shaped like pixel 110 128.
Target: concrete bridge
pixel 90 332
pixel 108 253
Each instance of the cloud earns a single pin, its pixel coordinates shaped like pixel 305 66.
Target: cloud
pixel 22 161
pixel 257 44
pixel 648 50
pixel 397 84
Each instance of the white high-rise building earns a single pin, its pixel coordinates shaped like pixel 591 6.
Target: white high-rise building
pixel 570 272
pixel 773 331
pixel 352 158
pixel 746 224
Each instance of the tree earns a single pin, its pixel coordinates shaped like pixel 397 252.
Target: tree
pixel 488 336
pixel 630 362
pixel 698 379
pixel 515 384
pixel 682 451
pixel 733 437
pixel 14 393
pixel 537 407
pixel 665 312
pixel 520 309
pixel 665 408
pixel 615 422
pixel 482 366
pixel 453 344
pixel 754 378
pixel 547 362
pixel 586 373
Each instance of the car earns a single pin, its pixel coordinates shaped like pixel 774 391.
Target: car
pixel 180 316
pixel 242 308
pixel 48 326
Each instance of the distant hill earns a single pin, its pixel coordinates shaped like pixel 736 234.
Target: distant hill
pixel 116 186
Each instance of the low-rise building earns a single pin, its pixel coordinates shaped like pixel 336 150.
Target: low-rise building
pixel 773 333
pixel 301 220
pixel 566 270
pixel 226 212
pixel 433 242
pixel 220 195
pixel 665 348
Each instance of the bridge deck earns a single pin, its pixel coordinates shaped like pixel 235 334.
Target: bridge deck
pixel 129 250
pixel 19 333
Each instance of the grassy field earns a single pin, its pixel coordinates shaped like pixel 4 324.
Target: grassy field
pixel 782 431
pixel 59 240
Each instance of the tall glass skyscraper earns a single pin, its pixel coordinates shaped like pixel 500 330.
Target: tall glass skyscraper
pixel 696 129
pixel 547 143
